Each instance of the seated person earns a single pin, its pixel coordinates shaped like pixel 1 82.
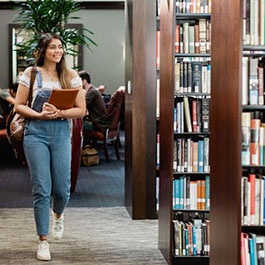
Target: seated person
pixel 94 102
pixel 106 97
pixel 7 100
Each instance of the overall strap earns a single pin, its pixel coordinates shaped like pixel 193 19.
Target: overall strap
pixel 32 80
pixel 39 78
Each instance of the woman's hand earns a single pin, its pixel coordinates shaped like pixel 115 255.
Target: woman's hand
pixel 49 114
pixel 49 107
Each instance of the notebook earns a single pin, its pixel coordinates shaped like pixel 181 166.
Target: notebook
pixel 63 98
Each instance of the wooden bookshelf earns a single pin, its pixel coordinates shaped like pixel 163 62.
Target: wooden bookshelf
pixel 168 20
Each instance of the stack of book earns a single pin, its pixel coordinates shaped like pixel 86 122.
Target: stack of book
pixel 191 194
pixel 191 238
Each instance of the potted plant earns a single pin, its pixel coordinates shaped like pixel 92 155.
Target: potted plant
pixel 40 16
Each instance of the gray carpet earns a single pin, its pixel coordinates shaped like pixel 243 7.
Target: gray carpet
pixel 95 236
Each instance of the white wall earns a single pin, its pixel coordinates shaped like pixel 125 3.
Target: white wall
pixel 106 61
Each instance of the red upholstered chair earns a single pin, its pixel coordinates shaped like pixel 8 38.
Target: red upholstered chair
pixel 3 137
pixel 115 113
pixel 76 151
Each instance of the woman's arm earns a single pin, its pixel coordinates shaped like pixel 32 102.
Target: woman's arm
pixel 79 108
pixel 23 109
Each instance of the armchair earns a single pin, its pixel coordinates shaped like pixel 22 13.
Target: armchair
pixel 115 113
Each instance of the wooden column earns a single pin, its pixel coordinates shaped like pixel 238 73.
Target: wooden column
pixel 167 22
pixel 140 123
pixel 225 128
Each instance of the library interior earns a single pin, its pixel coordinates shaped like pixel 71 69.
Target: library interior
pixel 163 125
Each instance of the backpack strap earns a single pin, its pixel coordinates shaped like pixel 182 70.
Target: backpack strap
pixel 32 80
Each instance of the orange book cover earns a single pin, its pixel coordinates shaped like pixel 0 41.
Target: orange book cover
pixel 197 38
pixel 177 37
pixel 203 205
pixel 254 142
pixel 198 6
pixel 199 194
pixel 63 98
pixel 252 180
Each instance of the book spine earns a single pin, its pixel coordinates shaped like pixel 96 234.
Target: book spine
pixel 191 39
pixel 177 46
pixel 189 77
pixel 177 77
pixel 261 85
pixel 206 155
pixel 253 81
pixel 207 192
pixel 194 116
pixel 205 114
pixel 196 76
pixel 187 114
pixel 202 34
pixel 252 182
pixel 246 124
pixel 254 142
pixel 244 80
pixel 157 49
pixel 197 38
pixel 200 155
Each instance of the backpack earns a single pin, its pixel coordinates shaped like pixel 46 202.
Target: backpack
pixel 89 156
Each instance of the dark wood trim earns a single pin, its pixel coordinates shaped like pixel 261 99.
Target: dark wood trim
pixel 225 128
pixel 129 172
pixel 167 57
pixel 140 109
pixel 84 5
pixel 102 5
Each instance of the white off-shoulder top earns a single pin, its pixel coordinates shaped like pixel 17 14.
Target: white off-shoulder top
pixel 47 85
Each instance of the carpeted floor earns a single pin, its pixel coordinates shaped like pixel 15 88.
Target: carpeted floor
pixel 97 186
pixel 93 236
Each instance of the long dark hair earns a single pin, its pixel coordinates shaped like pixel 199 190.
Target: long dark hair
pixel 61 68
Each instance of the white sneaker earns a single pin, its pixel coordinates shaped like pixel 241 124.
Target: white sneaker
pixel 57 226
pixel 43 252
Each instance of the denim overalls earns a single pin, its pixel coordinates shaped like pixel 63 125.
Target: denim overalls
pixel 47 146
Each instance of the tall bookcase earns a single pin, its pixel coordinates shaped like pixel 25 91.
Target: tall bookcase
pixel 227 89
pixel 171 138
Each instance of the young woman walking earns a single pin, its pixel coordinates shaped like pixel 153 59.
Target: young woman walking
pixel 47 139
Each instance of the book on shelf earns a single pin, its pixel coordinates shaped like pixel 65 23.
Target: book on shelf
pixel 245 153
pixel 252 249
pixel 192 76
pixel 187 114
pixel 252 200
pixel 158 149
pixel 157 49
pixel 191 155
pixel 157 97
pixel 253 22
pixel 191 194
pixel 254 142
pixel 191 237
pixel 193 36
pixel 193 6
pixel 205 114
